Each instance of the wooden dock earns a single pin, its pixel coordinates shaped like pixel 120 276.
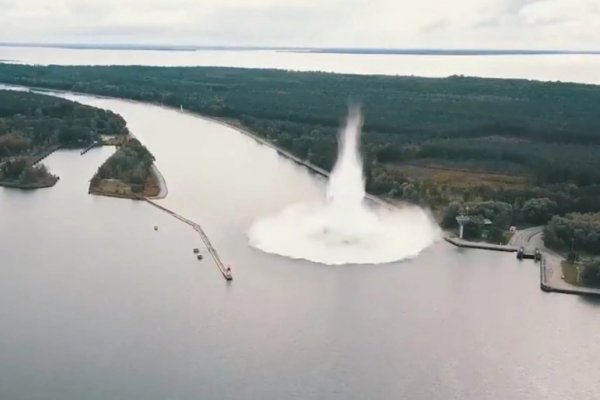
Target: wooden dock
pixel 225 271
pixel 40 157
pixel 91 146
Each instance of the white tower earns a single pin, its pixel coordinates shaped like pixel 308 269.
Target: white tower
pixel 462 220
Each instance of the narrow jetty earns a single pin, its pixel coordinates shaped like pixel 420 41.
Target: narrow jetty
pixel 522 252
pixel 480 245
pixel 40 157
pixel 91 146
pixel 225 271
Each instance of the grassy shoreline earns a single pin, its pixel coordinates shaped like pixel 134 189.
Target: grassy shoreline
pixel 153 189
pixel 30 186
pixel 128 173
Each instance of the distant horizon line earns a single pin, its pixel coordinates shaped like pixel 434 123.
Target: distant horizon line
pixel 301 49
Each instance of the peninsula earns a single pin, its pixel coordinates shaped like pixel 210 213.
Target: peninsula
pixel 127 173
pixel 32 126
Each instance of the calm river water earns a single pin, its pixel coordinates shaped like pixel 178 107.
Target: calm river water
pixel 94 304
pixel 564 67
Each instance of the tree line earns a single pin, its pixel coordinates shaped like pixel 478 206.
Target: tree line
pixel 547 133
pixel 20 172
pixel 574 231
pixel 33 124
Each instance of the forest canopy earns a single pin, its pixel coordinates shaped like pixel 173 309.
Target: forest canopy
pixel 30 123
pixel 33 125
pixel 577 231
pixel 533 145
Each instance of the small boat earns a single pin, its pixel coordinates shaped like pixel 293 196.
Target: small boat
pixel 227 273
pixel 521 253
pixel 538 255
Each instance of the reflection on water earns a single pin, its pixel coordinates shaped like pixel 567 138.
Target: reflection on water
pixel 95 304
pixel 592 300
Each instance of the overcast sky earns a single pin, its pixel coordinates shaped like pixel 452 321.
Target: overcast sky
pixel 513 24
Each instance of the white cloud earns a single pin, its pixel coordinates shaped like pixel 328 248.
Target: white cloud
pixel 352 23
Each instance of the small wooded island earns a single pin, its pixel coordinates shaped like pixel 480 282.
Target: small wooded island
pixel 127 173
pixel 34 125
pixel 20 173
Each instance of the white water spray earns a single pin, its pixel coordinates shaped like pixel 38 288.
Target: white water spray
pixel 344 230
pixel 346 188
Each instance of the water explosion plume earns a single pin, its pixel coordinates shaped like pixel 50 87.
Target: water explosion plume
pixel 344 229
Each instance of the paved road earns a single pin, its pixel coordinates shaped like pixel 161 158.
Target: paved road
pixel 530 237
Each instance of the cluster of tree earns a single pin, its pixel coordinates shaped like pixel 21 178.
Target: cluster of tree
pixel 32 123
pixel 574 231
pixel 131 164
pixel 548 132
pixel 20 172
pixel 489 219
pixel 501 215
pixel 590 276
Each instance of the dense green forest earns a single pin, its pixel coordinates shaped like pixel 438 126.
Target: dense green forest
pixel 501 214
pixel 31 125
pixel 21 173
pixel 590 275
pixel 578 231
pixel 532 145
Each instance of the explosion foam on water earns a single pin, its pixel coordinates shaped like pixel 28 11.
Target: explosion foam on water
pixel 343 229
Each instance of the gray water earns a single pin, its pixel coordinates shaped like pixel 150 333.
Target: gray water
pixel 583 68
pixel 94 304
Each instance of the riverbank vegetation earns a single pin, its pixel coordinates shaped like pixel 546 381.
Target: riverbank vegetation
pixel 489 220
pixel 492 219
pixel 578 235
pixel 590 276
pixel 530 145
pixel 127 173
pixel 586 274
pixel 19 173
pixel 34 125
pixel 574 232
pixel 31 123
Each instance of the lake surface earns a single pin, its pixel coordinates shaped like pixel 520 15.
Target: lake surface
pixel 94 304
pixel 563 67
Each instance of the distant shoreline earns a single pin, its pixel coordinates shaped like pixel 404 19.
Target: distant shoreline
pixel 313 50
pixel 452 52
